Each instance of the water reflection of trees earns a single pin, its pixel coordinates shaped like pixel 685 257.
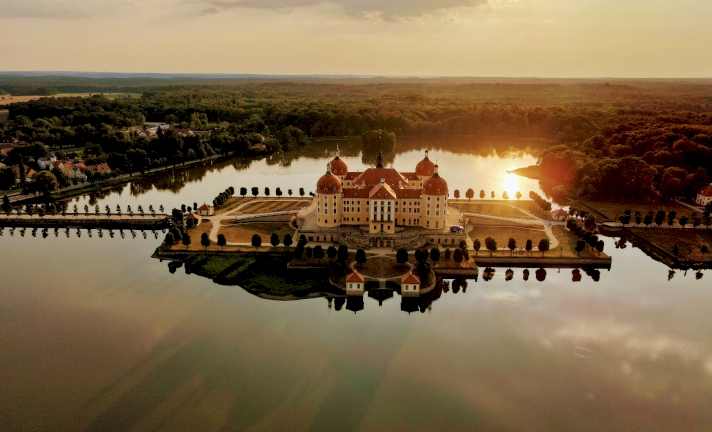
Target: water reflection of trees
pixel 78 232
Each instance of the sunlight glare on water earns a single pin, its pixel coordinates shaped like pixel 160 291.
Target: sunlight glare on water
pixel 511 182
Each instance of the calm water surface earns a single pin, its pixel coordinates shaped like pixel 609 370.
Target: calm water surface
pixel 95 335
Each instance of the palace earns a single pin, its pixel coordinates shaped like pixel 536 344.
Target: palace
pixel 380 198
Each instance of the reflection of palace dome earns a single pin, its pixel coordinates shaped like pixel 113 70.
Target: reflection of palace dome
pixel 426 167
pixel 328 183
pixel 435 185
pixel 338 167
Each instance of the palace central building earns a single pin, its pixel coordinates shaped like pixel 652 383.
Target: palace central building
pixel 382 198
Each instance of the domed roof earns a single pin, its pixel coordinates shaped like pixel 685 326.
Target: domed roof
pixel 435 185
pixel 338 167
pixel 328 183
pixel 426 167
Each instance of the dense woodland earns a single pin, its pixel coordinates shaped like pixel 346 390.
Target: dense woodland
pixel 624 139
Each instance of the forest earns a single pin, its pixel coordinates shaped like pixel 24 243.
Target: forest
pixel 617 139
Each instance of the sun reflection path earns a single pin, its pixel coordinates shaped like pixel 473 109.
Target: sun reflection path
pixel 511 182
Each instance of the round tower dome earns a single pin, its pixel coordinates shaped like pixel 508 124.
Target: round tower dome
pixel 338 167
pixel 435 185
pixel 328 183
pixel 425 168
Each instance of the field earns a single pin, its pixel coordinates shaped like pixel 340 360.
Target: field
pixel 688 241
pixel 231 204
pixel 616 208
pixel 243 233
pixel 262 206
pixel 8 99
pixel 3 115
pixel 497 208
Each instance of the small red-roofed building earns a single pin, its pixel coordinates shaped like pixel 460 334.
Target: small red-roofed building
pixel 195 218
pixel 704 196
pixel 559 214
pixel 410 284
pixel 355 283
pixel 206 210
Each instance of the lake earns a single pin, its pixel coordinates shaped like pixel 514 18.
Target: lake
pixel 95 335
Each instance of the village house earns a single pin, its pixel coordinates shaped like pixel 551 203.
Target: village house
pixel 29 173
pixel 410 284
pixel 197 219
pixel 206 210
pixel 704 196
pixel 355 283
pixel 559 214
pixel 45 162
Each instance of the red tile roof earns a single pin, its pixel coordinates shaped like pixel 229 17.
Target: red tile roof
pixel 410 278
pixel 355 277
pixel 706 191
pixel 205 207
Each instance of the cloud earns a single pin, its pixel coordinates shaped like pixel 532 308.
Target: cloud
pixel 388 9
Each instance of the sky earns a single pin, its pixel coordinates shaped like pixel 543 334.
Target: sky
pixel 474 38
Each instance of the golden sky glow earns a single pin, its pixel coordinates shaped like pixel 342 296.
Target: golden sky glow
pixel 544 38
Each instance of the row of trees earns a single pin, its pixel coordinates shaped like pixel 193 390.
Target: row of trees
pixel 470 193
pixel 660 217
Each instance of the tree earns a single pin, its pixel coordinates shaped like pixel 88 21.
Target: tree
pixel 205 240
pixel 491 244
pixel 255 191
pixel 361 257
pixel 518 195
pixel 476 245
pixel 266 191
pixel 543 246
pixel 331 252
pixel 170 241
pixel 599 247
pixel 482 194
pixel 278 192
pixel 511 244
pixel 301 191
pixel 492 194
pixel 256 241
pixel 704 249
pixel 580 246
pixel 45 183
pixel 343 253
pixel 505 195
pixel 469 194
pixel 243 191
pixel 274 240
pixel 435 254
pixel 186 240
pixel 448 254
pixel 289 192
pixel 457 255
pixel 287 240
pixel 309 251
pixel 457 193
pixel 675 250
pixel 222 241
pixel 7 177
pixel 401 256
pixel 318 252
pixel 684 220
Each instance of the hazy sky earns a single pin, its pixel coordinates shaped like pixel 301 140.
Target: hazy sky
pixel 546 38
